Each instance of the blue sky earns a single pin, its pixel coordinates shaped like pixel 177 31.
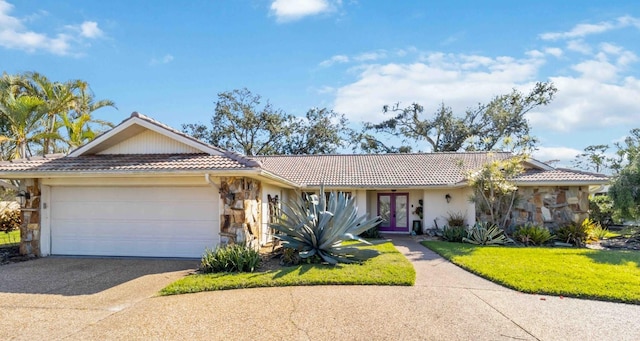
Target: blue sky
pixel 169 59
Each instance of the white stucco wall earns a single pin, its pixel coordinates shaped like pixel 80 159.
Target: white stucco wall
pixel 437 209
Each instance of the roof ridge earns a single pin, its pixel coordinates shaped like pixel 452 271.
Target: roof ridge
pixel 384 154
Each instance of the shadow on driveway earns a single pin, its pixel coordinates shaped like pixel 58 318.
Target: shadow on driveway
pixel 71 276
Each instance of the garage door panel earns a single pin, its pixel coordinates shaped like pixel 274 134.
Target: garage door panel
pixel 142 221
pixel 132 210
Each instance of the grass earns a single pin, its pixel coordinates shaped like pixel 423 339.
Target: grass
pixel 388 268
pixel 602 275
pixel 11 238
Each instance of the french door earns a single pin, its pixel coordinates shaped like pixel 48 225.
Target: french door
pixel 392 208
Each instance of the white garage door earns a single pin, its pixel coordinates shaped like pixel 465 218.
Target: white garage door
pixel 134 221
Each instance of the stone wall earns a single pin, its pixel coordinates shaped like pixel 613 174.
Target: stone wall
pixel 240 219
pixel 551 206
pixel 30 228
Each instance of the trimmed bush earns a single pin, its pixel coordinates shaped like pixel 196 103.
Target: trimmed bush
pixel 230 258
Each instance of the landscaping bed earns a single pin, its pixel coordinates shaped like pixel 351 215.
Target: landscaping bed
pixel 390 267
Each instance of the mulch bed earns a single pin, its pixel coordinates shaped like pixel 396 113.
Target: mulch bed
pixel 623 243
pixel 11 254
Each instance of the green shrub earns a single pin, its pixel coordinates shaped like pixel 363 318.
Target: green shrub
pixel 10 219
pixel 486 234
pixel 601 210
pixel 455 219
pixel 576 234
pixel 454 233
pixel 372 233
pixel 316 226
pixel 532 235
pixel 598 232
pixel 230 258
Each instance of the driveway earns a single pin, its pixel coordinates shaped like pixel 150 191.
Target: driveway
pixel 114 299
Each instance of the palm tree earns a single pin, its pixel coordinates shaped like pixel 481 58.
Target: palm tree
pixel 86 104
pixel 24 115
pixel 78 130
pixel 58 98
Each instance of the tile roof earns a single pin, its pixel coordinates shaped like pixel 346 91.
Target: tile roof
pixel 561 175
pixel 377 170
pixel 124 163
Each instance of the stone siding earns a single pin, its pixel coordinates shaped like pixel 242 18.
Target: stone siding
pixel 240 220
pixel 30 228
pixel 551 206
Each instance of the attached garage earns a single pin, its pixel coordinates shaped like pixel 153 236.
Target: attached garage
pixel 134 221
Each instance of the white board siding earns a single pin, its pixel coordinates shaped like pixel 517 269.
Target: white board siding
pixel 134 221
pixel 149 142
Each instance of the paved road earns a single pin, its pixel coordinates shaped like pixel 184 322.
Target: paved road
pixel 81 299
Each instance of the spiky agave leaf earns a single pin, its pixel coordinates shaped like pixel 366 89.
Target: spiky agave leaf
pixel 317 225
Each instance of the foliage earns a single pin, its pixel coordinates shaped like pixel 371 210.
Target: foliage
pixel 454 233
pixel 289 257
pixel 627 151
pixel 625 190
pixel 455 219
pixel 593 158
pixel 598 232
pixel 316 226
pixel 243 124
pixel 532 235
pixel 494 191
pixel 584 273
pixel 483 128
pixel 389 268
pixel 576 234
pixel 486 234
pixel 230 258
pixel 321 131
pixel 372 233
pixel 601 209
pixel 32 111
pixel 10 219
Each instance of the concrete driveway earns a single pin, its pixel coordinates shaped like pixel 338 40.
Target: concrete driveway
pixel 114 299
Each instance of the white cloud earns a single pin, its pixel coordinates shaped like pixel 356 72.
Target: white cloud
pixel 291 10
pixel 164 60
pixel 583 30
pixel 334 60
pixel 90 29
pixel 15 35
pixel 554 51
pixel 579 46
pixel 460 81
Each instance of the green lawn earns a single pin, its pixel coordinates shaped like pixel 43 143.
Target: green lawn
pixel 602 275
pixel 388 268
pixel 12 237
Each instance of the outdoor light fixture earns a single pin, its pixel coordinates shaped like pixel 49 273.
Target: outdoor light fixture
pixel 22 198
pixel 448 198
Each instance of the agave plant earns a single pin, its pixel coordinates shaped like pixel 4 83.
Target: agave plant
pixel 486 234
pixel 316 226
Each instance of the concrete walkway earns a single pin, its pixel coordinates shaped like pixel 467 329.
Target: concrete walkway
pixel 446 303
